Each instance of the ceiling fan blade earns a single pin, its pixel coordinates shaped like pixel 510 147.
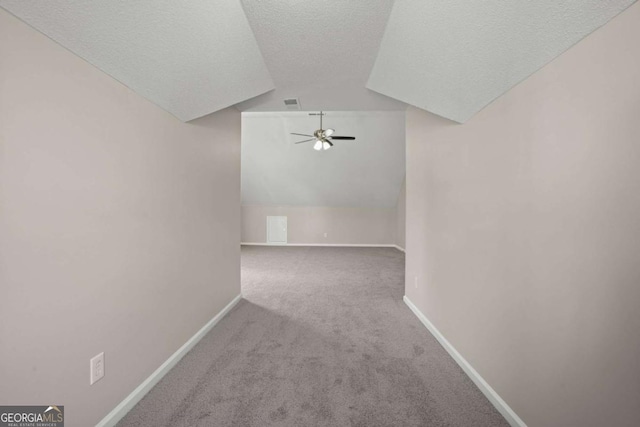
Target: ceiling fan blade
pixel 302 134
pixel 330 143
pixel 343 137
pixel 306 140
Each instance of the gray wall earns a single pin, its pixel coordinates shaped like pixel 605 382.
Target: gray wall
pixel 363 173
pixel 308 224
pixel 119 228
pixel 523 231
pixel 401 216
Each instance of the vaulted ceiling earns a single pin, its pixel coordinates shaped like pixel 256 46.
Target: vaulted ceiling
pixel 193 58
pixel 454 57
pixel 321 52
pixel 190 58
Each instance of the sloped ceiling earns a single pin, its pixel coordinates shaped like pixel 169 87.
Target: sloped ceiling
pixel 320 51
pixel 367 172
pixel 193 58
pixel 190 58
pixel 454 57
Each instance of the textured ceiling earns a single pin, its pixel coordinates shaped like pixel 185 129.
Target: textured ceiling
pixel 367 172
pixel 190 58
pixel 454 57
pixel 319 51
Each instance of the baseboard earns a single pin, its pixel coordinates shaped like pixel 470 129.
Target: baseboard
pixel 136 395
pixel 502 407
pixel 345 245
pixel 401 249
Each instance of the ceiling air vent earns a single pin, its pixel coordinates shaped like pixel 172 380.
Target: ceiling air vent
pixel 292 103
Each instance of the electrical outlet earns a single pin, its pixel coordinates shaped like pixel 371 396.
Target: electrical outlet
pixel 96 365
pixel 415 282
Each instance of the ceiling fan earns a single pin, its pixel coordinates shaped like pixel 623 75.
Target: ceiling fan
pixel 323 137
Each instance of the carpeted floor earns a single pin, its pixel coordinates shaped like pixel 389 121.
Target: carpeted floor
pixel 322 338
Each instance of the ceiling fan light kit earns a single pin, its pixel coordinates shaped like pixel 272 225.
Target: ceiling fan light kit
pixel 323 137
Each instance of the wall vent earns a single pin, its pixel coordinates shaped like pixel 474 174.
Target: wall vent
pixel 292 103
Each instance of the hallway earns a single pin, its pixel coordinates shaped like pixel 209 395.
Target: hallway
pixel 321 338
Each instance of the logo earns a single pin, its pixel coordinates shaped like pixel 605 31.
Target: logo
pixel 32 416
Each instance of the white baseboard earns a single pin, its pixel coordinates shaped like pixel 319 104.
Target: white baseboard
pixel 346 245
pixel 136 395
pixel 502 407
pixel 401 249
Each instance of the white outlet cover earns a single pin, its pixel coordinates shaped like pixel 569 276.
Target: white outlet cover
pixel 96 368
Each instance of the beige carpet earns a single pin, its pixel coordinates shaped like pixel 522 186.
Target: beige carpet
pixel 322 338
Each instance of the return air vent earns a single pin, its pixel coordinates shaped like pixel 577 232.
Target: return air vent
pixel 292 103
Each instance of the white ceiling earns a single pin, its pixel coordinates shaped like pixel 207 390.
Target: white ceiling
pixel 367 172
pixel 193 58
pixel 319 51
pixel 454 57
pixel 190 58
